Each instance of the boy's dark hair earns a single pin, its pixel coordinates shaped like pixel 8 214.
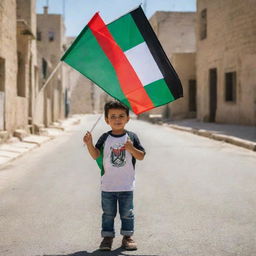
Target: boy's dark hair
pixel 114 104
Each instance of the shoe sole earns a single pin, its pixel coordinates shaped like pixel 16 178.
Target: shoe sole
pixel 130 248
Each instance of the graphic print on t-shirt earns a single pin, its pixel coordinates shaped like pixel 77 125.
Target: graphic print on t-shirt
pixel 117 156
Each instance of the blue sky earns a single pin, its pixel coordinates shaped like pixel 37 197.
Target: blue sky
pixel 79 12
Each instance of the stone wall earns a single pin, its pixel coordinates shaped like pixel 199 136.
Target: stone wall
pixel 8 54
pixel 81 101
pixel 185 67
pixel 229 46
pixel 27 80
pixel 175 31
pixel 50 45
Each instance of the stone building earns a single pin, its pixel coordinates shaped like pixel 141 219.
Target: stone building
pixel 80 90
pixel 81 100
pixel 226 66
pixel 27 73
pixel 185 107
pixel 18 65
pixel 176 33
pixel 8 65
pixel 85 96
pixel 50 46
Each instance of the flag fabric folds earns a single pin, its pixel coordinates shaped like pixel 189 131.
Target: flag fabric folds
pixel 126 60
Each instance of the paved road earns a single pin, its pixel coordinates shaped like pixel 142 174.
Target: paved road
pixel 194 196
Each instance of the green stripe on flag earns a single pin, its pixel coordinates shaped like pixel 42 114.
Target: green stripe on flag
pixel 125 32
pixel 159 92
pixel 88 58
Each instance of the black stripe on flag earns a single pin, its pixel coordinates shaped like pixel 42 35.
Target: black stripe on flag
pixel 170 76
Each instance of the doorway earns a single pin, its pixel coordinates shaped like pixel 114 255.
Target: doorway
pixel 192 95
pixel 212 94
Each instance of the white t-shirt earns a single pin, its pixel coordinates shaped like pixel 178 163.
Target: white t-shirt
pixel 118 163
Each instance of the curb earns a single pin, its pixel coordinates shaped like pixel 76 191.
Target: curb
pixel 38 140
pixel 11 151
pixel 215 136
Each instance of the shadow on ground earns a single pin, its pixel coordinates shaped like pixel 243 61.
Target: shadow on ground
pixel 116 252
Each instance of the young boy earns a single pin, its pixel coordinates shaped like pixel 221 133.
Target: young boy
pixel 119 150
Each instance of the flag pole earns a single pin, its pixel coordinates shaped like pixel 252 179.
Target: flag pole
pixel 50 76
pixel 95 123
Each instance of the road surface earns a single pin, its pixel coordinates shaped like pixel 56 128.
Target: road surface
pixel 194 196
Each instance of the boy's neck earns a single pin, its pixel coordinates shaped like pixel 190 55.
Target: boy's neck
pixel 118 132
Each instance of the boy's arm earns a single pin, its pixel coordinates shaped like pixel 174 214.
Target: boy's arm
pixel 94 152
pixel 136 153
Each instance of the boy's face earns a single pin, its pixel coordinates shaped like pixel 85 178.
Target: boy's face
pixel 117 119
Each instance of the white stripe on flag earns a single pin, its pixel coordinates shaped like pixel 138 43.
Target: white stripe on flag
pixel 143 64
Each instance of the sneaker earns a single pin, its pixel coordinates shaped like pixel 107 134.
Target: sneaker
pixel 106 244
pixel 128 243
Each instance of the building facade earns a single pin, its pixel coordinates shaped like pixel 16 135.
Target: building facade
pixel 176 33
pixel 81 100
pixel 27 72
pixel 226 66
pixel 8 65
pixel 51 45
pixel 85 96
pixel 185 107
pixel 25 64
pixel 18 65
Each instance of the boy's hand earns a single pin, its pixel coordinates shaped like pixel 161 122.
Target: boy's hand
pixel 128 145
pixel 87 138
pixel 94 152
pixel 138 154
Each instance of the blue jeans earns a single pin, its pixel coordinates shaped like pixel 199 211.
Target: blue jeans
pixel 109 206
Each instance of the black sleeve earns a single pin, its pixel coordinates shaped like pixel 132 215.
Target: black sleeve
pixel 136 143
pixel 101 140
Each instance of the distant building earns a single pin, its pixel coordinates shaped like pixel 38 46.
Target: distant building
pixel 51 45
pixel 176 33
pixel 85 96
pixel 81 100
pixel 185 107
pixel 80 90
pixel 226 66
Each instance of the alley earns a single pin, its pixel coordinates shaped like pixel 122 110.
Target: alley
pixel 194 196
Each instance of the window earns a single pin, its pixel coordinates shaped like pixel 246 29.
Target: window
pixel 21 76
pixel 39 36
pixel 230 86
pixel 44 68
pixel 203 24
pixel 51 36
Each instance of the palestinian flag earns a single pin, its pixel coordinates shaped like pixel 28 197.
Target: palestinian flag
pixel 126 60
